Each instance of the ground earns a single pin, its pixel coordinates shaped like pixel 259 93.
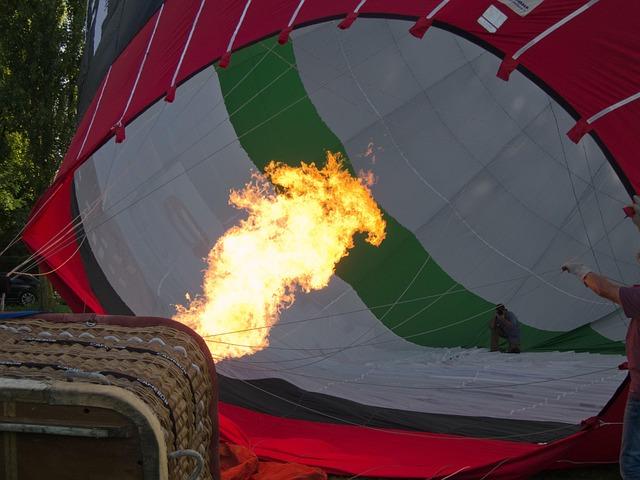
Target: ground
pixel 606 472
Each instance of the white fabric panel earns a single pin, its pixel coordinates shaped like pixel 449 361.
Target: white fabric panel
pixel 564 387
pixel 442 124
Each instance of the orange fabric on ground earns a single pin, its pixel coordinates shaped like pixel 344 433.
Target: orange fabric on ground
pixel 240 463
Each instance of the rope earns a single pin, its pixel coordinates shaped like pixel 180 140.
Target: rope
pixel 195 475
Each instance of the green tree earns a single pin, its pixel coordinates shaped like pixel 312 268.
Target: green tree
pixel 40 49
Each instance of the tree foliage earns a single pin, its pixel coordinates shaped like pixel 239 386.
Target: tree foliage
pixel 40 50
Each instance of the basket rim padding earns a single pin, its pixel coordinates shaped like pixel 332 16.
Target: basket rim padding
pixel 132 321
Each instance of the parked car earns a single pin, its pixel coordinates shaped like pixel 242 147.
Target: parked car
pixel 23 290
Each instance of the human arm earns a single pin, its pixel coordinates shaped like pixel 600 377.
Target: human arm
pixel 603 286
pixel 600 284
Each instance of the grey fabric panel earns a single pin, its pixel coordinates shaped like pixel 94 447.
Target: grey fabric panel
pixel 442 125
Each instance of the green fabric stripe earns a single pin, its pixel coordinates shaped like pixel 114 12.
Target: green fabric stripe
pixel 290 130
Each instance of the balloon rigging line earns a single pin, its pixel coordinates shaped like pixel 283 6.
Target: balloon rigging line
pixel 59 266
pixel 157 116
pixel 269 119
pixel 323 357
pixel 386 305
pixel 186 169
pixel 396 432
pixel 448 477
pixel 264 122
pixel 446 200
pixel 18 235
pixel 604 226
pixel 79 217
pixel 356 340
pixel 471 153
pixel 370 342
pixel 587 250
pixel 411 282
pixel 433 477
pixel 532 139
pixel 573 190
pixel 259 368
pixel 68 234
pixel 213 129
pixel 52 246
pixel 558 229
pixel 498 465
pixel 206 157
pixel 622 318
pixel 262 58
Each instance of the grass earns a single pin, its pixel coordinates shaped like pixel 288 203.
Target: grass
pixel 604 472
pixel 57 308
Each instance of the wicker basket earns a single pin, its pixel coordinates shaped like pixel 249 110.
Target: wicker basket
pixel 162 362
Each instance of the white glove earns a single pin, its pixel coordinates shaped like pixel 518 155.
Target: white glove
pixel 636 208
pixel 578 269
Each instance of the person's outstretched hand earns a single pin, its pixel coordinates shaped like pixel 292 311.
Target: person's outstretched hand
pixel 578 269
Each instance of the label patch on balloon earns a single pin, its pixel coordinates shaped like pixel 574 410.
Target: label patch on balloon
pixel 492 19
pixel 521 7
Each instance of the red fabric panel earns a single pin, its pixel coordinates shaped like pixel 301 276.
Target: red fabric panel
pixel 361 450
pixel 354 450
pixel 594 70
pixel 619 132
pixel 590 71
pixel 121 80
pixel 217 23
pixel 593 62
pixel 62 256
pixel 254 26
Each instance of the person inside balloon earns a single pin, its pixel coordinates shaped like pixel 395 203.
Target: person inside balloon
pixel 629 299
pixel 504 324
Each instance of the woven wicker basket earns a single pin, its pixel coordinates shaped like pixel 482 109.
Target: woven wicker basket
pixel 162 362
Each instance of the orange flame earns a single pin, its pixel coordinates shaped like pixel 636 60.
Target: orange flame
pixel 292 240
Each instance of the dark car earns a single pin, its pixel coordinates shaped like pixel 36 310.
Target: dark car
pixel 23 290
